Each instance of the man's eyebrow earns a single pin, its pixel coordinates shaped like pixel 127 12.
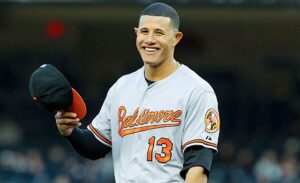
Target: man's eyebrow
pixel 159 30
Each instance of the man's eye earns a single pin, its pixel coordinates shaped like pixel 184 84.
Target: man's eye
pixel 159 33
pixel 144 31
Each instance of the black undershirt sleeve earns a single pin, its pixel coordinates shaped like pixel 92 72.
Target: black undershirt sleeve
pixel 85 143
pixel 197 156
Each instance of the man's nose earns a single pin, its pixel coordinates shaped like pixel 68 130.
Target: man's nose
pixel 150 39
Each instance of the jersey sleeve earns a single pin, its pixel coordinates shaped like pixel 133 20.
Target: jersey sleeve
pixel 101 126
pixel 202 122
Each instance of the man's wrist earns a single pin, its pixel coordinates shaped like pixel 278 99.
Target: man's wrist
pixel 196 175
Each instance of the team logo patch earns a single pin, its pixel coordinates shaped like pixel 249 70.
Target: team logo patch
pixel 212 121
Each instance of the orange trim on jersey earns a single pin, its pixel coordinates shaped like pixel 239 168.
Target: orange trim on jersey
pixel 99 135
pixel 122 133
pixel 199 141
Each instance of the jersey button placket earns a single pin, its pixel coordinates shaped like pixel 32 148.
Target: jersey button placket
pixel 138 136
pixel 135 160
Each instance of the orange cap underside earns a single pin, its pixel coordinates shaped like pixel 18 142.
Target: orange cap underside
pixel 78 105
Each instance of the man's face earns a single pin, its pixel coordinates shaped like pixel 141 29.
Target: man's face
pixel 156 39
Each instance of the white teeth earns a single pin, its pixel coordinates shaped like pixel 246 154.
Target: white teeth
pixel 150 49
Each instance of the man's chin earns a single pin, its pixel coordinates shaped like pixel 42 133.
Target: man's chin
pixel 149 61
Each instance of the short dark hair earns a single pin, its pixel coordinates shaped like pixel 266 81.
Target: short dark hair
pixel 162 9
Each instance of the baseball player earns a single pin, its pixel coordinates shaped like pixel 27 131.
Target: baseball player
pixel 161 122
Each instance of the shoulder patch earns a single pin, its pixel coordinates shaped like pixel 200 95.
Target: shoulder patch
pixel 212 121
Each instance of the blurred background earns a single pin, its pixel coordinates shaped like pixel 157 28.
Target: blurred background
pixel 248 50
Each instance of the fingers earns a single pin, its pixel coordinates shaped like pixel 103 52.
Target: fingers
pixel 67 118
pixel 64 128
pixel 68 121
pixel 62 114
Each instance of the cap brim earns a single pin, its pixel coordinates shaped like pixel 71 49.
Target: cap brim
pixel 78 105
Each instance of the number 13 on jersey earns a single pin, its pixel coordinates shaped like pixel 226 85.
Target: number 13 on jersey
pixel 165 155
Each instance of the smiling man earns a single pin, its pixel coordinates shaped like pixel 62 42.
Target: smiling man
pixel 157 121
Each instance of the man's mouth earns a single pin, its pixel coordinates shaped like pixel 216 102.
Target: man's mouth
pixel 150 49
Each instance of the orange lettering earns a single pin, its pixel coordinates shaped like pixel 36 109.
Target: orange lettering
pixel 175 115
pixel 158 117
pixel 168 113
pixel 153 115
pixel 121 113
pixel 144 118
pixel 134 116
pixel 145 121
pixel 125 122
pixel 139 120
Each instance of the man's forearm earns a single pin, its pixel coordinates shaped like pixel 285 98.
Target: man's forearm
pixel 84 142
pixel 196 175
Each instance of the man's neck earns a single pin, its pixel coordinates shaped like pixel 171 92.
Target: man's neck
pixel 156 73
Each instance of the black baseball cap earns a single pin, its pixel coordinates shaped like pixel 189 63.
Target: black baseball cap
pixel 50 88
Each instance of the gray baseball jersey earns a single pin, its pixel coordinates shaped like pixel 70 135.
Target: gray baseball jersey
pixel 150 126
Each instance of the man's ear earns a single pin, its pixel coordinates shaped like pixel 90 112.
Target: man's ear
pixel 136 30
pixel 178 37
